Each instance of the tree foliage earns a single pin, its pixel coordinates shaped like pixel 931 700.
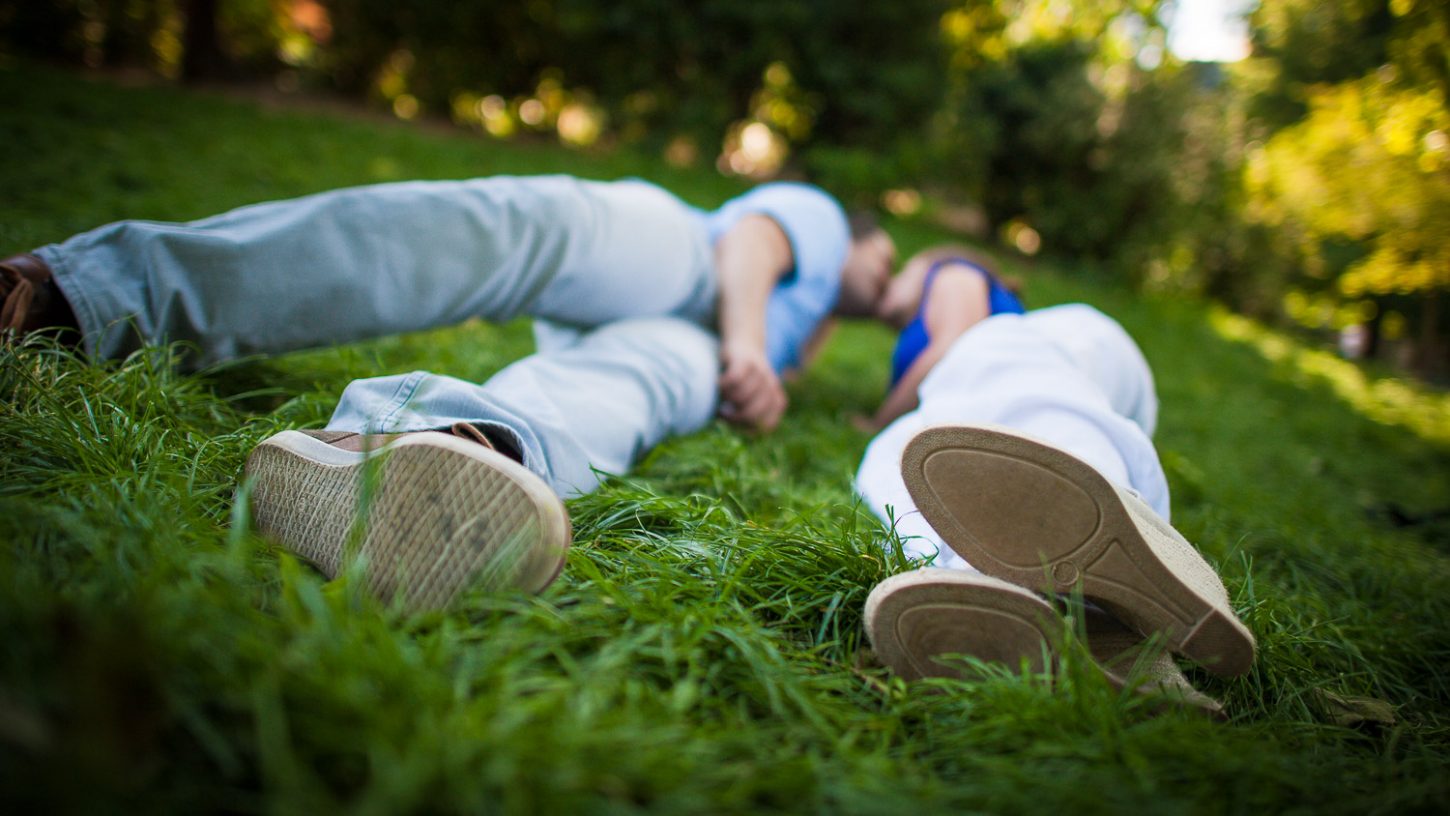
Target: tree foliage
pixel 658 70
pixel 1357 188
pixel 1395 200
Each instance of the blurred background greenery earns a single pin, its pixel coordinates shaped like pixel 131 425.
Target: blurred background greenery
pixel 1308 183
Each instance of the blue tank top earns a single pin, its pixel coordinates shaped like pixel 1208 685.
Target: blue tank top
pixel 913 339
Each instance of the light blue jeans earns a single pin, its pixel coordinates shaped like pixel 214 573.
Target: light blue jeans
pixel 624 266
pixel 596 405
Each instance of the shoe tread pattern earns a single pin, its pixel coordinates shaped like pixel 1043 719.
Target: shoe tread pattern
pixel 916 618
pixel 438 520
pixel 1038 517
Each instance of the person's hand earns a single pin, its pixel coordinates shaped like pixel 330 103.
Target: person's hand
pixel 864 424
pixel 750 391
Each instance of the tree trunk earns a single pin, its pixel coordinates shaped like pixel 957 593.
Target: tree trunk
pixel 202 57
pixel 1430 362
pixel 1372 332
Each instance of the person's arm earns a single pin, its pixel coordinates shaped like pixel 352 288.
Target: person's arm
pixel 750 259
pixel 959 300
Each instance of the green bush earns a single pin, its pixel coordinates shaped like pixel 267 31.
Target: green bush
pixel 1098 172
pixel 873 66
pixel 147 34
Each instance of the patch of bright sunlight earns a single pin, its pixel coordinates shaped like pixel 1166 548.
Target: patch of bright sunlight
pixel 1387 400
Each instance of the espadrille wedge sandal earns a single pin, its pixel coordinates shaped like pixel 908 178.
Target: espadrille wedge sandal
pixel 915 619
pixel 1038 517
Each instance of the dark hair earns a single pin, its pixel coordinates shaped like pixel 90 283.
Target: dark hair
pixel 863 223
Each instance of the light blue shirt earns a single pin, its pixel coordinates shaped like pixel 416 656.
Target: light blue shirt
pixel 819 238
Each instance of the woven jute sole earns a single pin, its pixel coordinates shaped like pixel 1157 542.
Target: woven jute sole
pixel 1029 513
pixel 429 514
pixel 915 619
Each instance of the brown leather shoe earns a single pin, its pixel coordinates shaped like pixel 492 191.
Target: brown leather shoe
pixel 25 292
pixel 430 513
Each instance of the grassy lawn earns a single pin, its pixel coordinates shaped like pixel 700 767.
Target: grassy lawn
pixel 703 650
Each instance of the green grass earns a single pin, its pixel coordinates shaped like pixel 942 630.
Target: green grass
pixel 703 650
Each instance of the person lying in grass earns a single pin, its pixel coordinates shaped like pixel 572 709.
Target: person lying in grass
pixel 1014 450
pixel 651 314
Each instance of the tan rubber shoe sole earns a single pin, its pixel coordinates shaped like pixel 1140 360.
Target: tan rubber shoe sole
pixel 1034 515
pixel 442 514
pixel 915 618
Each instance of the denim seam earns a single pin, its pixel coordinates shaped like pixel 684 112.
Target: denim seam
pixel 407 389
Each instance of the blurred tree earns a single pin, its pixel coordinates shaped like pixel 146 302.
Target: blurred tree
pixel 1353 182
pixel 1068 118
pixel 863 71
pixel 194 39
pixel 1310 42
pixel 202 57
pixel 1362 187
pixel 45 30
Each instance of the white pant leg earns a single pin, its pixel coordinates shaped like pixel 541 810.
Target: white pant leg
pixel 879 482
pixel 1005 372
pixel 600 403
pixel 1102 350
pixel 367 261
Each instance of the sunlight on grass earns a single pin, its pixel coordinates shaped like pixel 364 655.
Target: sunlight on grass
pixel 1388 401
